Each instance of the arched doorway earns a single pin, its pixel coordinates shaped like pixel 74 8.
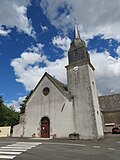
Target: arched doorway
pixel 45 127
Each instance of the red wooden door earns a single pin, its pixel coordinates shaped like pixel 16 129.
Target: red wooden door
pixel 45 127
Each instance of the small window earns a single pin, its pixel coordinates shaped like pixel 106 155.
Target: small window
pixel 46 91
pixel 66 89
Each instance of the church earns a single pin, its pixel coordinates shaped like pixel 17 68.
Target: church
pixel 56 110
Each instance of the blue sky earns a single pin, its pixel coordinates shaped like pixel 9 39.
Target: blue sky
pixel 35 36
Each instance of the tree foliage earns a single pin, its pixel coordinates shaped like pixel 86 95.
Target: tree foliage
pixel 23 104
pixel 8 116
pixel 1 100
pixel 22 107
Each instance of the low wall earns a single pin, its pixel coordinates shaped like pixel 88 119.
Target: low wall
pixel 18 130
pixel 5 131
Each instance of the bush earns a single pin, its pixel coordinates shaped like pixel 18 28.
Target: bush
pixel 74 136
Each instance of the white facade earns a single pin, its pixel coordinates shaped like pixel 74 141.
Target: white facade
pixel 54 106
pixel 18 130
pixel 81 83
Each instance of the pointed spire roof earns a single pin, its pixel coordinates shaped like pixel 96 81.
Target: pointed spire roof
pixel 78 51
pixel 77 41
pixel 76 32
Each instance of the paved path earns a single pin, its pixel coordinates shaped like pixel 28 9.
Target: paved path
pixel 59 149
pixel 10 151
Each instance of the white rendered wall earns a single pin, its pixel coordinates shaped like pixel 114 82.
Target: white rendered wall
pixel 18 130
pixel 55 106
pixel 87 122
pixel 96 106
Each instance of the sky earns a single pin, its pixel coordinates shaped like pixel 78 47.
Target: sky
pixel 35 37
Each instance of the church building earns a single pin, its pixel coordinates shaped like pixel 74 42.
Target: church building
pixel 57 109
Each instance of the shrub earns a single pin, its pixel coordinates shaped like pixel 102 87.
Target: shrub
pixel 74 135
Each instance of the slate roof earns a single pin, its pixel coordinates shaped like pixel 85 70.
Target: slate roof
pixel 110 103
pixel 63 88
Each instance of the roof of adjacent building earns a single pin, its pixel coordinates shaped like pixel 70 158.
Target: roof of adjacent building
pixel 110 103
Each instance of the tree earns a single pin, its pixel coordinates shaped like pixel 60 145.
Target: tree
pixel 22 107
pixel 8 116
pixel 1 100
pixel 23 104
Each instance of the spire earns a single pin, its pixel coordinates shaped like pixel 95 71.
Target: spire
pixel 77 51
pixel 76 32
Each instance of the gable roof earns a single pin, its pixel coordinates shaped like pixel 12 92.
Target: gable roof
pixel 110 103
pixel 59 85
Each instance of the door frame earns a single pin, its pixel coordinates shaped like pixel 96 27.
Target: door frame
pixel 45 126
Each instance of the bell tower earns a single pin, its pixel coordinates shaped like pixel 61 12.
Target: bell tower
pixel 77 51
pixel 81 84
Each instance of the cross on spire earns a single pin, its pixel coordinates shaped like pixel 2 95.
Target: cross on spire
pixel 76 32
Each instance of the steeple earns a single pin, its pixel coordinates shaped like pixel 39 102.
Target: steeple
pixel 76 32
pixel 77 52
pixel 81 85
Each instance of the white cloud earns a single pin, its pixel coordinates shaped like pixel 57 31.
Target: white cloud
pixel 28 67
pixel 107 72
pixel 36 48
pixel 16 104
pixel 4 32
pixel 94 17
pixel 118 51
pixel 29 72
pixel 62 43
pixel 57 69
pixel 13 13
pixel 44 28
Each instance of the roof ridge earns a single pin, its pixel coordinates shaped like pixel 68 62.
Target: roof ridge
pixel 61 86
pixel 58 81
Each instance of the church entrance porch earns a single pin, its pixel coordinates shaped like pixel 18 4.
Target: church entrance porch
pixel 45 127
